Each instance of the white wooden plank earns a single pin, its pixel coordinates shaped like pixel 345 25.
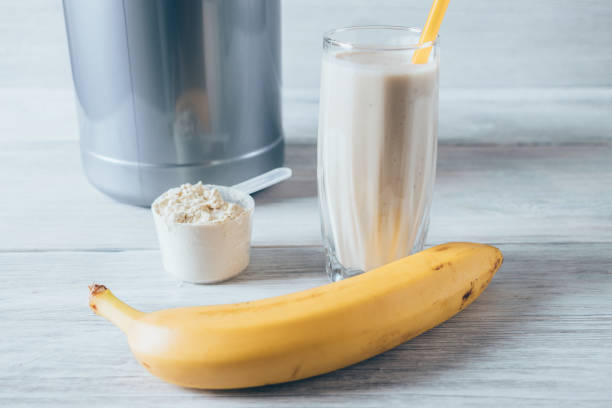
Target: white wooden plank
pixel 526 116
pixel 33 47
pixel 567 64
pixel 492 116
pixel 549 43
pixel 484 44
pixel 493 194
pixel 538 336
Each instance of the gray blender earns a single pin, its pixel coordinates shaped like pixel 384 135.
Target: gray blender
pixel 175 91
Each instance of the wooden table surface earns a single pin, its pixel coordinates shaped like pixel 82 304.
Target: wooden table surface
pixel 540 335
pixel 526 169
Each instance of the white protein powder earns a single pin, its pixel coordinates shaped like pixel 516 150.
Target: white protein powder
pixel 195 204
pixel 204 231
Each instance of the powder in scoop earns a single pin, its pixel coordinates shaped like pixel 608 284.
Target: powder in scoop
pixel 195 204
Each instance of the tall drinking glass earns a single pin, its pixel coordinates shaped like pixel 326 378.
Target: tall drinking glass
pixel 377 146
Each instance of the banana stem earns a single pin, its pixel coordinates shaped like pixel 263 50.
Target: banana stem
pixel 104 303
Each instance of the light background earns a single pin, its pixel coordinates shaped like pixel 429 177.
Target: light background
pixel 525 164
pixel 517 71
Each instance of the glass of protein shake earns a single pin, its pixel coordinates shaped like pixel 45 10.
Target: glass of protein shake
pixel 377 146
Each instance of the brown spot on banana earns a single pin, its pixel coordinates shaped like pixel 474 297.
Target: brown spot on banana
pixel 496 265
pixel 466 295
pixel 296 371
pixel 442 265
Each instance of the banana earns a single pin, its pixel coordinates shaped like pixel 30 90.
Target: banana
pixel 306 333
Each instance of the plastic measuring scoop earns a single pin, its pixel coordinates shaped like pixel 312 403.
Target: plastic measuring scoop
pixel 430 31
pixel 264 180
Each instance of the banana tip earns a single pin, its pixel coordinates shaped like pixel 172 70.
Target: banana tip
pixel 95 289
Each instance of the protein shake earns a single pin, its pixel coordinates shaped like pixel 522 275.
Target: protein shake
pixel 376 156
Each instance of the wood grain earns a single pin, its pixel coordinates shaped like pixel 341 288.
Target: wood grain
pixel 526 116
pixel 484 44
pixel 538 336
pixel 560 116
pixel 556 89
pixel 491 194
pixel 525 163
pixel 549 43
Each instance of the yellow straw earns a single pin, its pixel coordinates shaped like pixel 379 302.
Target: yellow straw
pixel 430 31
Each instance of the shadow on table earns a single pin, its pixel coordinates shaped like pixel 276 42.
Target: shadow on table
pixel 302 263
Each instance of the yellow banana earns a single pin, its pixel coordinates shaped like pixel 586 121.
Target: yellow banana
pixel 306 333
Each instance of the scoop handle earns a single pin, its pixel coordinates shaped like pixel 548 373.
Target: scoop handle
pixel 264 180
